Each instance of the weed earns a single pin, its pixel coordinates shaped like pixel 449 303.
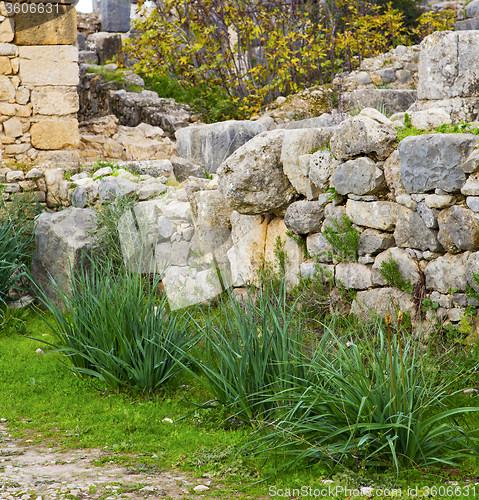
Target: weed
pixel 391 273
pixel 344 240
pixel 301 241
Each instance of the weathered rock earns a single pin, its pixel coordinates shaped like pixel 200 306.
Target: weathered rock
pixel 114 187
pixel 59 27
pixel 331 212
pixel 360 176
pixel 472 163
pixel 392 101
pixel 210 145
pixel 55 101
pixel 376 115
pixel 252 178
pixel 316 270
pixel 472 9
pixel 458 229
pixel 429 119
pixel 428 215
pixel 406 266
pixel 473 203
pixel 62 245
pixel 246 254
pixel 471 187
pixel 87 57
pixel 325 120
pixel 472 267
pixel 13 127
pixel 435 161
pixel 319 247
pixel 106 45
pixel 354 275
pixel 115 15
pixel 392 174
pixel 363 136
pixel 53 178
pixel 322 165
pixel 448 65
pixel 412 232
pixel 184 168
pixel 276 229
pixel 370 304
pixel 376 214
pixel 304 217
pixel 447 273
pixel 439 201
pixel 372 241
pixel 467 24
pixel 294 260
pixel 55 133
pixel 49 65
pixel 297 143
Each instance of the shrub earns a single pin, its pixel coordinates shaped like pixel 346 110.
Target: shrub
pixel 116 327
pixel 366 402
pixel 344 239
pixel 391 273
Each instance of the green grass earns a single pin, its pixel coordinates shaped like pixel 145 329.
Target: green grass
pixel 460 128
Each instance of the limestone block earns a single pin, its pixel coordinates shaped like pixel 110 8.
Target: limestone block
pixel 115 15
pixel 22 95
pixel 439 201
pixel 429 119
pixel 56 28
pixel 391 100
pixel 106 45
pixel 13 127
pixel 55 101
pixel 360 176
pixel 113 187
pixel 7 109
pixel 428 215
pixel 376 214
pixel 372 241
pixel 276 228
pixel 412 232
pixel 319 247
pixel 472 267
pixel 458 229
pixel 369 304
pixel 252 178
pixel 49 65
pixel 304 217
pixel 322 166
pixel 7 30
pixel 53 178
pixel 449 65
pixel 55 134
pixel 354 275
pixel 5 66
pixel 447 273
pixel 433 161
pixel 8 49
pixel 406 266
pixel 7 90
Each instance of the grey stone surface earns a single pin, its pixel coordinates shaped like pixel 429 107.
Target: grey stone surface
pixel 252 178
pixel 458 229
pixel 376 214
pixel 80 197
pixel 300 142
pixel 106 45
pixel 115 15
pixel 429 119
pixel 473 203
pixel 467 24
pixel 447 273
pixel 62 245
pixel 362 135
pixel 471 187
pixel 372 241
pixel 392 174
pixel 391 101
pixel 331 212
pixel 322 165
pixel 412 232
pixel 360 176
pixel 325 120
pixel 388 75
pixel 449 65
pixel 439 201
pixel 114 187
pixel 433 161
pixel 87 57
pixel 318 246
pixel 472 163
pixel 312 269
pixel 472 9
pixel 354 275
pixel 304 217
pixel 184 168
pixel 406 266
pixel 210 145
pixel 428 215
pixel 370 304
pixel 472 267
pixel 403 76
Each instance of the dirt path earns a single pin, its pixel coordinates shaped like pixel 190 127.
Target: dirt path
pixel 34 473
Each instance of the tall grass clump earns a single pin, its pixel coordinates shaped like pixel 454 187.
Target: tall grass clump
pixel 16 237
pixel 115 326
pixel 251 350
pixel 367 401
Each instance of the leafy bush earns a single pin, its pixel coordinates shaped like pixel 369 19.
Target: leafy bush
pixel 390 272
pixel 117 328
pixel 344 239
pixel 251 350
pixel 16 237
pixel 366 402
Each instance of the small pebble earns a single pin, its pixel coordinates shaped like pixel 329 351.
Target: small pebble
pixel 200 488
pixel 39 351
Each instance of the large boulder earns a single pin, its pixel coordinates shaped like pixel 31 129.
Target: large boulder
pixel 435 161
pixel 362 135
pixel 447 273
pixel 62 246
pixel 210 145
pixel 304 217
pixel 412 232
pixel 297 143
pixel 360 176
pixel 252 178
pixel 449 65
pixel 458 229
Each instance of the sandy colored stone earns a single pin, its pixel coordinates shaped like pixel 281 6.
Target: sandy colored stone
pixel 55 101
pixel 49 65
pixel 56 28
pixel 7 30
pixel 13 127
pixel 7 90
pixel 55 134
pixel 5 66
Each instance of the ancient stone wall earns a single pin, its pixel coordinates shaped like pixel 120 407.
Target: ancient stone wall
pixel 38 82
